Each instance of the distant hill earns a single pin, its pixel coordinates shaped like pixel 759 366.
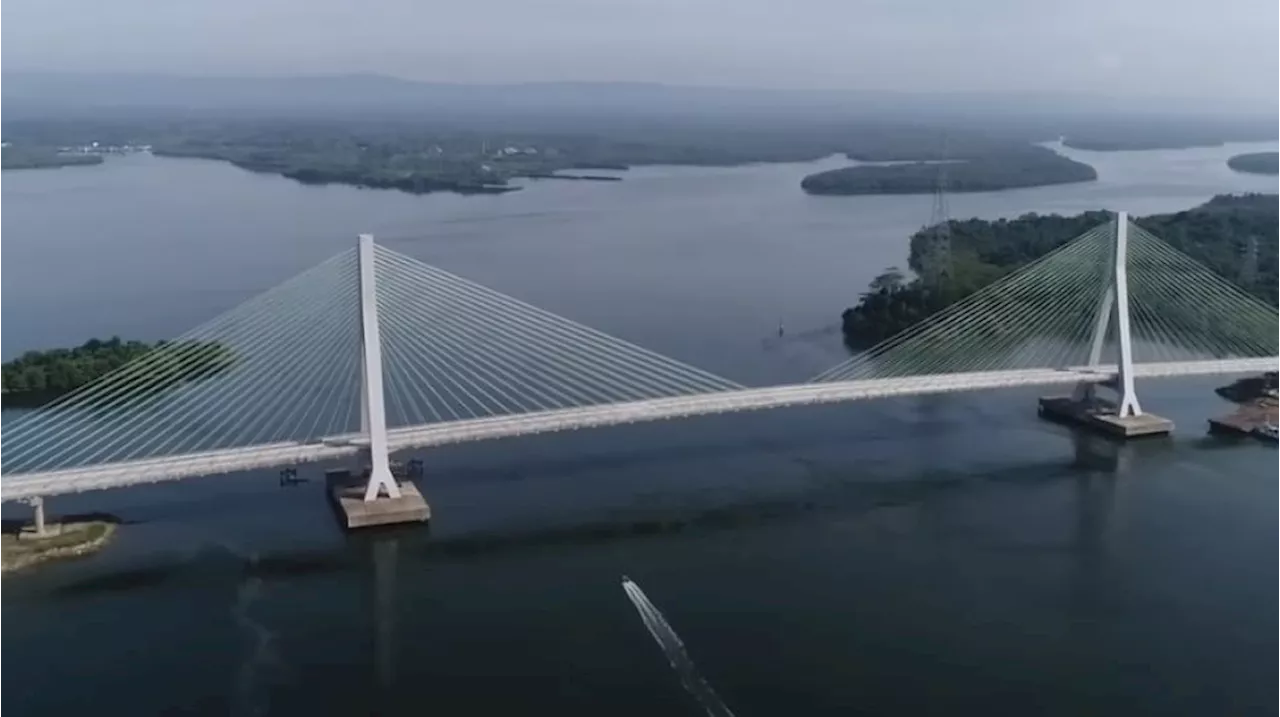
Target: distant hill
pixel 1028 115
pixel 374 92
pixel 380 94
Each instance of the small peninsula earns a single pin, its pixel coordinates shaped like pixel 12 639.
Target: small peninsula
pixel 1137 144
pixel 1256 163
pixel 410 170
pixel 38 377
pixel 982 251
pixel 68 537
pixel 1018 166
pixel 1131 136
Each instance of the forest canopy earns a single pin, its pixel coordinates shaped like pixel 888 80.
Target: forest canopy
pixel 1223 234
pixel 41 376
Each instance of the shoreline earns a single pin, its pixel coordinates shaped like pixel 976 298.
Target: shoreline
pixel 1262 164
pixel 70 538
pixel 916 191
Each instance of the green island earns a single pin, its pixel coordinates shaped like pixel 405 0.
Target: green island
pixel 1001 168
pixel 982 251
pixel 38 377
pixel 23 157
pixel 1256 163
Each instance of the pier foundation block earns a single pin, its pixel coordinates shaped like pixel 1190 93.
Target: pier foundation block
pixel 346 492
pixel 1100 416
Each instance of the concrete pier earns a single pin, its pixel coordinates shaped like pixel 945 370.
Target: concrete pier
pixel 1099 415
pixel 347 495
pixel 37 505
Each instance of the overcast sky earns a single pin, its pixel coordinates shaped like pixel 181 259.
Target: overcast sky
pixel 1204 48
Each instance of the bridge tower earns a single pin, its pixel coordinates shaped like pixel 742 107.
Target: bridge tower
pixel 1113 310
pixel 382 500
pixel 373 413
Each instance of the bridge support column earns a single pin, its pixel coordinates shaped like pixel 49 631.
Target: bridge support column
pixel 383 500
pixel 37 506
pixel 373 414
pixel 1126 418
pixel 1128 404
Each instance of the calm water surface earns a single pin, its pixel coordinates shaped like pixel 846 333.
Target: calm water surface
pixel 910 557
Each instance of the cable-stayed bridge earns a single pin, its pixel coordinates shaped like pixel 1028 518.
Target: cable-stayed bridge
pixel 373 352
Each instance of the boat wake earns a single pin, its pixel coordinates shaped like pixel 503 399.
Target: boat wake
pixel 676 654
pixel 250 694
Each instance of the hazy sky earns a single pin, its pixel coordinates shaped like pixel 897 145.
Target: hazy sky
pixel 1218 48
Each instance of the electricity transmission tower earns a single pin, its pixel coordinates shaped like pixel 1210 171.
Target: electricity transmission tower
pixel 1249 262
pixel 937 259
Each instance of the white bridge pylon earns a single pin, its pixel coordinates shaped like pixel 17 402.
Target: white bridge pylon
pixel 373 414
pixel 1113 310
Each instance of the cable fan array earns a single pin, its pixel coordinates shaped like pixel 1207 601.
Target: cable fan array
pixel 286 366
pixel 1182 310
pixel 1039 316
pixel 281 366
pixel 1044 315
pixel 454 349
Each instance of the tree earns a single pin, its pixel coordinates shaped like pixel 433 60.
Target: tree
pixel 890 280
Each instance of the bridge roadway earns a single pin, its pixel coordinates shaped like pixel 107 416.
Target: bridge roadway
pixel 152 470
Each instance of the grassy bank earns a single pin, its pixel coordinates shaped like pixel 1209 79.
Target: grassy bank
pixel 21 548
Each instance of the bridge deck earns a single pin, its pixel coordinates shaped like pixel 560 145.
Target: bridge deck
pixel 112 475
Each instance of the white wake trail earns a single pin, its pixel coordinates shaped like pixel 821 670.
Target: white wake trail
pixel 250 696
pixel 674 649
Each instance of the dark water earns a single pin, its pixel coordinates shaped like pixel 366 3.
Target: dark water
pixel 901 557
